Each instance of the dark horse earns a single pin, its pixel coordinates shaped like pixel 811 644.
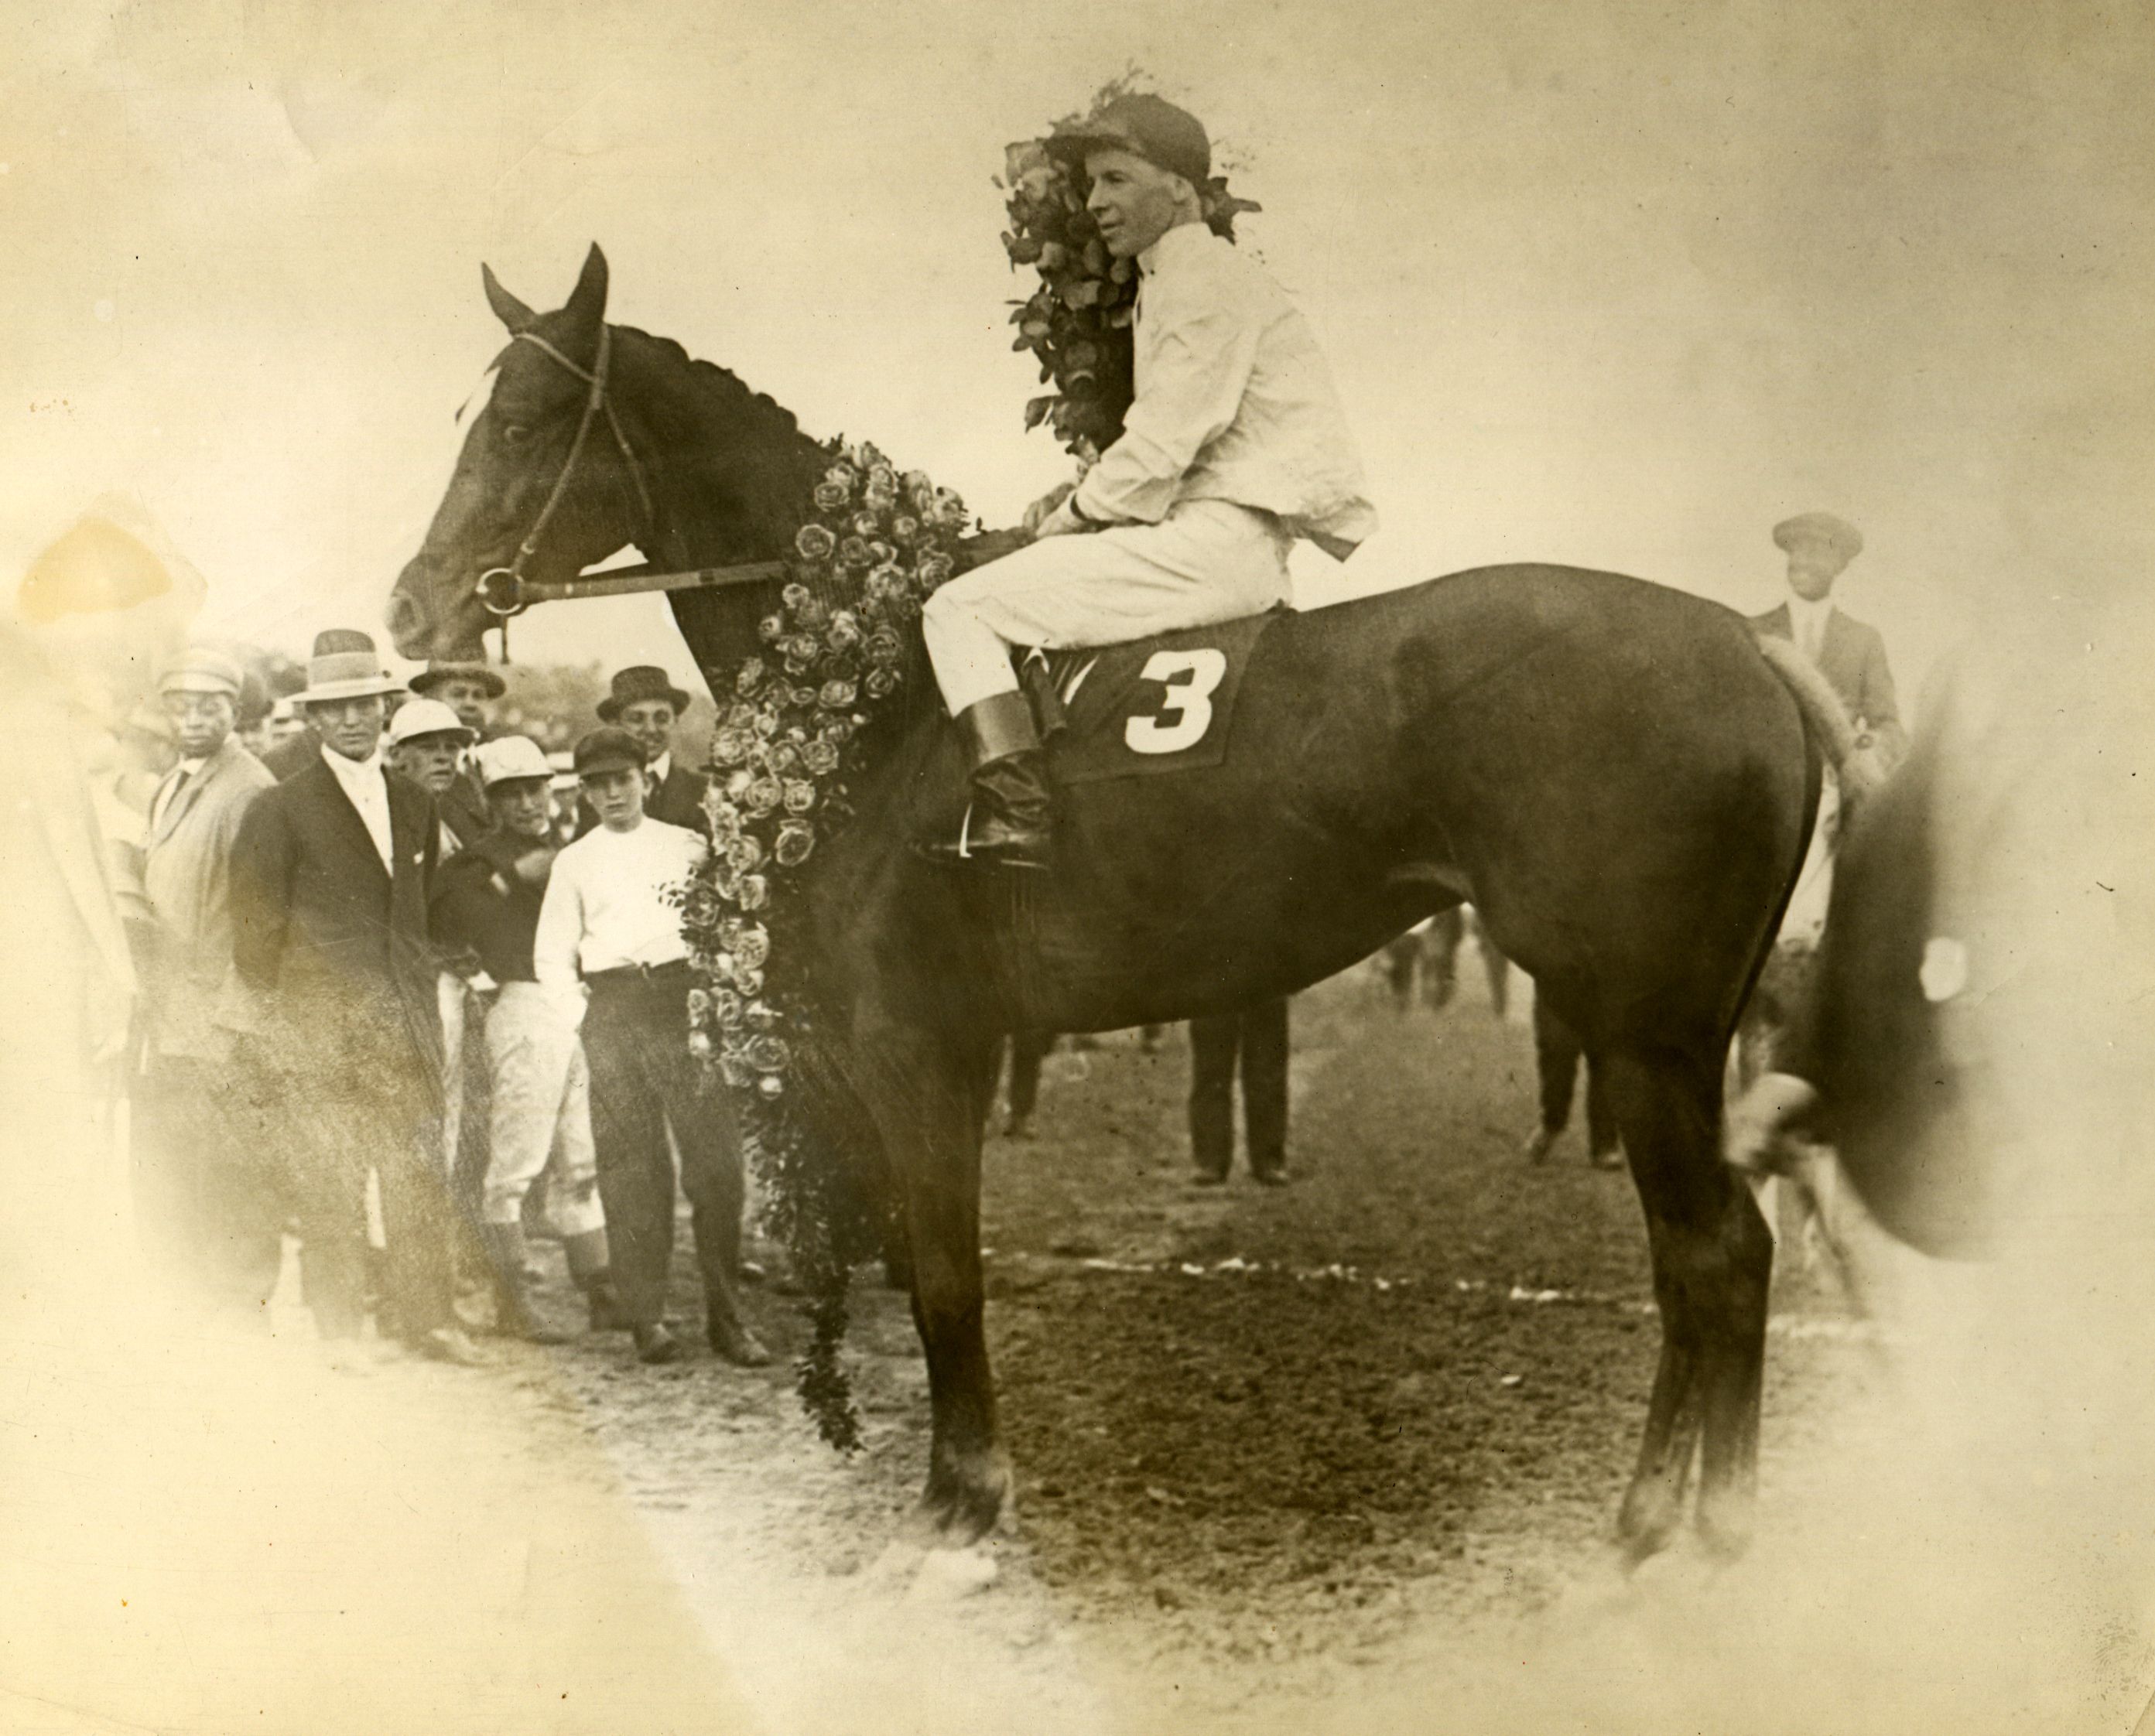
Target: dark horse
pixel 1610 770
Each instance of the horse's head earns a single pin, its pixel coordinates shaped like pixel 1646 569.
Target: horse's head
pixel 542 485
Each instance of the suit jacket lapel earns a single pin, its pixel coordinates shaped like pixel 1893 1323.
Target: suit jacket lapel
pixel 410 814
pixel 1779 622
pixel 328 789
pixel 190 792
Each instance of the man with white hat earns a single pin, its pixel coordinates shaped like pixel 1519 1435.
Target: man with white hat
pixel 206 1196
pixel 1235 447
pixel 330 874
pixel 427 743
pixel 467 689
pixel 486 909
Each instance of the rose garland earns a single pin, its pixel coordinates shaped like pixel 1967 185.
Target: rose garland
pixel 1077 321
pixel 789 738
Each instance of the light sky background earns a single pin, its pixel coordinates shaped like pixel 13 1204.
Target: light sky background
pixel 1618 285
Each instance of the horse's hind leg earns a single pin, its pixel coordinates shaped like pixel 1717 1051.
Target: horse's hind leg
pixel 1712 1260
pixel 927 1104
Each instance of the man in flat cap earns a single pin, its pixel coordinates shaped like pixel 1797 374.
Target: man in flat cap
pixel 644 701
pixel 1848 652
pixel 330 874
pixel 467 689
pixel 1234 447
pixel 609 954
pixel 208 1196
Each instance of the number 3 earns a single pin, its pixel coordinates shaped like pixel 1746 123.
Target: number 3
pixel 1189 677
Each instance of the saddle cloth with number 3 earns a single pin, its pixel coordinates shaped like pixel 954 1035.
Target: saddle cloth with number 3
pixel 1164 704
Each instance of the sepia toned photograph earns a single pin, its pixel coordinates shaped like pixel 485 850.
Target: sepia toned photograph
pixel 1078 868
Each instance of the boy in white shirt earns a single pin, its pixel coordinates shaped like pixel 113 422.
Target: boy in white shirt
pixel 607 931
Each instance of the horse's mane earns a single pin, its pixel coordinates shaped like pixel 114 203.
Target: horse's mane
pixel 747 413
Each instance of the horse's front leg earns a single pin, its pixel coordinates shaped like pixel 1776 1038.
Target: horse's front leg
pixel 926 1105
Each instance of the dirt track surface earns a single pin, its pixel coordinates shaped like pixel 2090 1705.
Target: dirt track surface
pixel 1262 1438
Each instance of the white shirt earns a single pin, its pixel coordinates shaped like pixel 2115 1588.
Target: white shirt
pixel 1234 402
pixel 1807 623
pixel 656 770
pixel 180 775
pixel 366 784
pixel 606 904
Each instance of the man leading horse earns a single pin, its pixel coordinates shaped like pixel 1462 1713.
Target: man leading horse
pixel 1234 447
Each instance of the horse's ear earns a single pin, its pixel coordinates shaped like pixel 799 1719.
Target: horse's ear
pixel 507 308
pixel 586 306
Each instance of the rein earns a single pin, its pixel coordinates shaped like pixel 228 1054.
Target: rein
pixel 506 592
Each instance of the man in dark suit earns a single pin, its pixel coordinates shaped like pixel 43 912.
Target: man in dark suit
pixel 1848 652
pixel 330 885
pixel 208 1196
pixel 645 703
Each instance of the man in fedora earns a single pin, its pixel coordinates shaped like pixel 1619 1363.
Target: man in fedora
pixel 609 954
pixel 1848 652
pixel 645 703
pixel 330 873
pixel 208 1196
pixel 486 911
pixel 1234 447
pixel 467 689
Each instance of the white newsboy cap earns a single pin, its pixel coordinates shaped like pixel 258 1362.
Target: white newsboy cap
pixel 510 757
pixel 425 716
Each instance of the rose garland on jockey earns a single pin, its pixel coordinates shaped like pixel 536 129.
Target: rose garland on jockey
pixel 789 735
pixel 1078 322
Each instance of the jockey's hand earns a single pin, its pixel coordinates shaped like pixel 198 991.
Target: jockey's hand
pixel 1036 514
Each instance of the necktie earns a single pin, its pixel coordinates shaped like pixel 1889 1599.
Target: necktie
pixel 176 780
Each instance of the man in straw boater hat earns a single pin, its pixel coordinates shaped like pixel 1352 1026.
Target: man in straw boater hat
pixel 208 1196
pixel 467 689
pixel 1234 447
pixel 330 874
pixel 1848 652
pixel 644 701
pixel 486 909
pixel 609 952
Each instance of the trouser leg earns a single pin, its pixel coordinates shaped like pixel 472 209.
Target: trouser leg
pixel 1264 1085
pixel 419 1218
pixel 329 1191
pixel 572 1190
pixel 635 1165
pixel 1027 1049
pixel 1556 1062
pixel 528 1047
pixel 1213 1042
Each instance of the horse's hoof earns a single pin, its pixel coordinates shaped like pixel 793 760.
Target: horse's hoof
pixel 1648 1523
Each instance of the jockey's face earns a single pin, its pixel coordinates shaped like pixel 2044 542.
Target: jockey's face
pixel 1134 202
pixel 1813 566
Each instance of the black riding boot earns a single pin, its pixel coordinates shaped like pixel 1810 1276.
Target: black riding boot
pixel 1009 824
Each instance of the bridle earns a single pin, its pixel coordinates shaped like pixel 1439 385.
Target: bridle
pixel 502 589
pixel 505 592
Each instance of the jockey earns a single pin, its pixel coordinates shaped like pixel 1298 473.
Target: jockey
pixel 1234 447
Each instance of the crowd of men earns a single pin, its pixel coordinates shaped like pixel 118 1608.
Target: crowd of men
pixel 389 983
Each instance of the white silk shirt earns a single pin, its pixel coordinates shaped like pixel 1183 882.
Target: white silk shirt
pixel 1234 402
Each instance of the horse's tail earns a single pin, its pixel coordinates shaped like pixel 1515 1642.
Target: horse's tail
pixel 1855 762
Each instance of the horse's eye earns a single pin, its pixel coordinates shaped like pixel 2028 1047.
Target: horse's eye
pixel 516 433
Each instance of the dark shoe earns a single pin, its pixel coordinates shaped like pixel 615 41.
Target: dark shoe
pixel 447 1344
pixel 733 1342
pixel 1017 1126
pixel 1269 1177
pixel 655 1343
pixel 1209 1178
pixel 1609 1157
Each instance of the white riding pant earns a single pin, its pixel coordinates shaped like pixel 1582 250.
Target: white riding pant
pixel 542 1113
pixel 1207 561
